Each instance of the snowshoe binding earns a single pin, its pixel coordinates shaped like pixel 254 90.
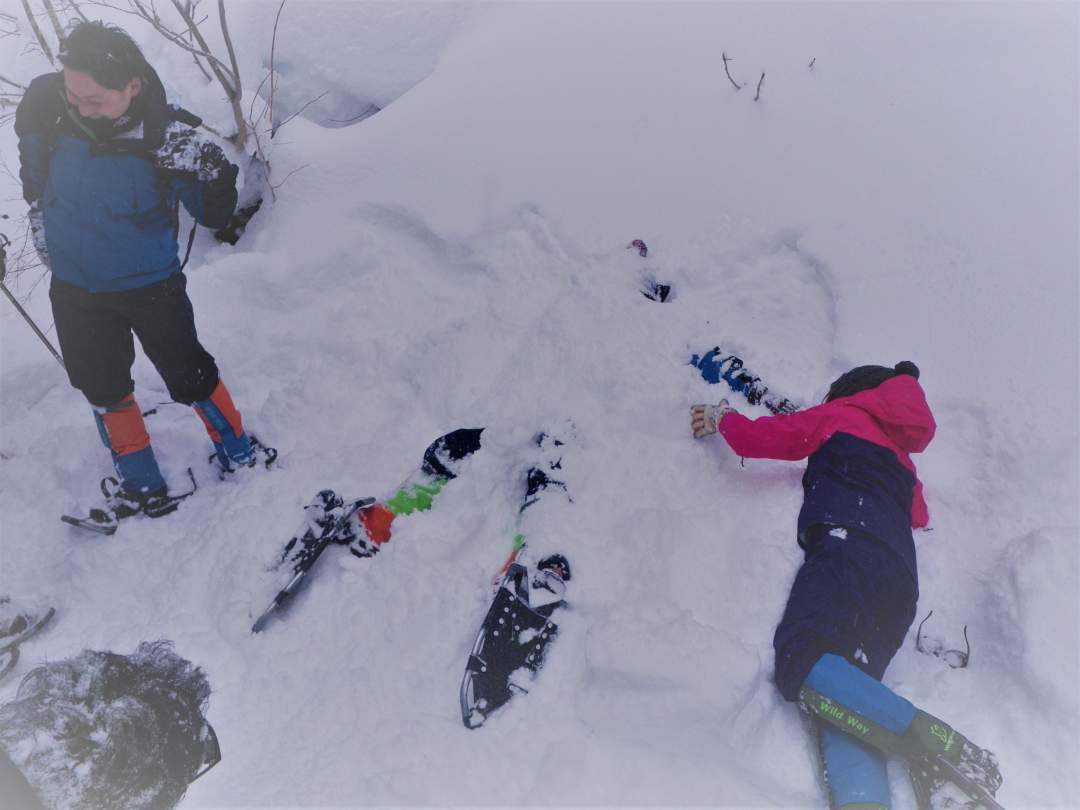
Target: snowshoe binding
pixel 247 456
pixel 121 503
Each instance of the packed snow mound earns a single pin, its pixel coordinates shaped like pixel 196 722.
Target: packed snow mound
pixel 344 61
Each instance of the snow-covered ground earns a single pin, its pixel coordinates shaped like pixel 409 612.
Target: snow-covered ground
pixel 459 259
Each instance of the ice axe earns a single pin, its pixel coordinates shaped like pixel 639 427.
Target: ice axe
pixel 4 242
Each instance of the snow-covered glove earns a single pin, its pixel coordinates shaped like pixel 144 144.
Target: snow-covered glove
pixel 705 418
pixel 37 232
pixel 190 154
pixel 185 150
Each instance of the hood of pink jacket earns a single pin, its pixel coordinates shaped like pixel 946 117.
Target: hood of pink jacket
pixel 901 412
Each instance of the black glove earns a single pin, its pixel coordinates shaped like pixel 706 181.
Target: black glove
pixel 185 150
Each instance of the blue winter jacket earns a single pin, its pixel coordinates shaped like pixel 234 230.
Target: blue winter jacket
pixel 110 206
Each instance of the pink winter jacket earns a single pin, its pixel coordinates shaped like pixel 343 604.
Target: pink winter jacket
pixel 895 415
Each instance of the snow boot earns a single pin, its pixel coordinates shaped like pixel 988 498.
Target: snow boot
pixel 122 502
pixel 234 448
pixel 240 454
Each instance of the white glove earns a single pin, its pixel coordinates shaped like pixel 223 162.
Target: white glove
pixel 705 418
pixel 37 233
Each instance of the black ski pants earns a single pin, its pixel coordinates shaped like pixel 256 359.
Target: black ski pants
pixel 95 333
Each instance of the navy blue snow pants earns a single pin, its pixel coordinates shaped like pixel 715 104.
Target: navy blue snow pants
pixel 855 598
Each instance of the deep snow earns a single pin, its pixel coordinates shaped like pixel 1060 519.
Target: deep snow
pixel 459 259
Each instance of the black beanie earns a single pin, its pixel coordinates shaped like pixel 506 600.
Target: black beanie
pixel 863 378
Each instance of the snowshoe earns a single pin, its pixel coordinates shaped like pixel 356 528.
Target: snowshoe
pixel 326 517
pixel 120 504
pixel 513 639
pixel 939 784
pixel 718 366
pixel 17 629
pixel 321 515
pixel 363 524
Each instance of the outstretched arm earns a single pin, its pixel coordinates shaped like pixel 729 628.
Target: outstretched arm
pixel 787 438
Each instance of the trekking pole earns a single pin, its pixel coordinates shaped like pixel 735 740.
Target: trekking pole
pixel 4 242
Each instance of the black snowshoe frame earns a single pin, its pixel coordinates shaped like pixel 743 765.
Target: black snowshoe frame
pixel 329 534
pixel 512 637
pixel 931 774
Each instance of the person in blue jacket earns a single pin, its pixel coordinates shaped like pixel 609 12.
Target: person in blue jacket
pixel 105 163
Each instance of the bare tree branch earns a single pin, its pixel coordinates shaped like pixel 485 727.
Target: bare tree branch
pixel 273 79
pixel 230 79
pixel 290 174
pixel 252 119
pixel 220 69
pixel 291 117
pixel 75 7
pixel 728 72
pixel 6 80
pixel 177 39
pixel 57 28
pixel 761 81
pixel 37 32
pixel 237 89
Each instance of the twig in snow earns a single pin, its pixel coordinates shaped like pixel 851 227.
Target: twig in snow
pixel 761 81
pixel 319 97
pixel 812 62
pixel 724 56
pixel 273 78
pixel 286 178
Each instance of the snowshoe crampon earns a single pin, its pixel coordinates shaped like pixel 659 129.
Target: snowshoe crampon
pixel 939 785
pixel 510 647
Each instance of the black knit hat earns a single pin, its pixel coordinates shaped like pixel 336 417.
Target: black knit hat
pixel 863 378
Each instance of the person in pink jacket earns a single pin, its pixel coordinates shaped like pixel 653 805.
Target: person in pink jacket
pixel 854 598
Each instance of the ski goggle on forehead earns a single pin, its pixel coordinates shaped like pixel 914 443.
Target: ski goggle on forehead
pixel 957 659
pixel 211 753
